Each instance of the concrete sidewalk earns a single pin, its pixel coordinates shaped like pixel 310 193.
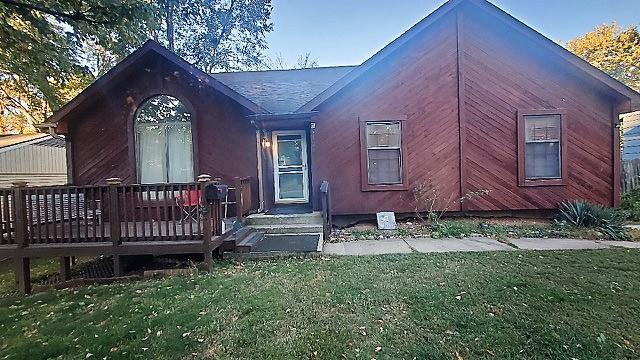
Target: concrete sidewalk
pixel 428 245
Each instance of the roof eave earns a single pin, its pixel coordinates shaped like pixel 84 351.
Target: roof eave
pixel 282 116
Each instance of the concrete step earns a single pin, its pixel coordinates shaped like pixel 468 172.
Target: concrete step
pixel 289 228
pixel 314 218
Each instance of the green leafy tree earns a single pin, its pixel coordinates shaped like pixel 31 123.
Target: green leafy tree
pixel 42 59
pixel 215 34
pixel 50 51
pixel 612 49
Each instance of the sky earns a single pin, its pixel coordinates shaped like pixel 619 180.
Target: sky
pixel 347 32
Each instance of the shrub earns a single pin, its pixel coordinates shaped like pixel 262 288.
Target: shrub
pixel 631 205
pixel 575 212
pixel 580 213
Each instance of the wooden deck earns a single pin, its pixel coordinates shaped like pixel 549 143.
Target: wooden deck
pixel 115 220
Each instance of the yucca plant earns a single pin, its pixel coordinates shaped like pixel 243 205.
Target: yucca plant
pixel 575 212
pixel 609 222
pixel 580 213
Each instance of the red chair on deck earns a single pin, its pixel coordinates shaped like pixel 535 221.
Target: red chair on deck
pixel 190 202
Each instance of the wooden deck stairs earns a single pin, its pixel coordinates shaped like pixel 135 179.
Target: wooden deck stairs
pixel 242 240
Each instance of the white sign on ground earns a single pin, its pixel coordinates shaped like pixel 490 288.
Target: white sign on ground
pixel 386 220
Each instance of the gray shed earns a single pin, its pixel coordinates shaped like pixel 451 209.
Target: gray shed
pixel 38 159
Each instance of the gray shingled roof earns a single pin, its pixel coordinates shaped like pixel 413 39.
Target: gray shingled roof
pixel 282 91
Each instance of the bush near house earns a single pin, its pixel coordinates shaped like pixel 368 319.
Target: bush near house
pixel 630 206
pixel 580 213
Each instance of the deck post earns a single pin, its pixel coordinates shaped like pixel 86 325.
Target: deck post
pixel 237 183
pixel 65 268
pixel 207 225
pixel 22 264
pixel 114 224
pixel 23 273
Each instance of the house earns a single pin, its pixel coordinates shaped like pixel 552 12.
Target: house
pixel 631 136
pixel 37 159
pixel 468 99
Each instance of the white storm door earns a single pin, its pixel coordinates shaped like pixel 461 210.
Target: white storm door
pixel 291 179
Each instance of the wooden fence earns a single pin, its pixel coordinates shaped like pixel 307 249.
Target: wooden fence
pixel 630 174
pixel 116 220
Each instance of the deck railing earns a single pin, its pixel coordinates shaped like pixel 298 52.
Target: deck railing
pixel 75 214
pixel 325 203
pixel 113 219
pixel 242 195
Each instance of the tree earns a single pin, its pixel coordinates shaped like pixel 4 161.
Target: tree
pixel 42 62
pixel 612 49
pixel 305 61
pixel 215 34
pixel 50 51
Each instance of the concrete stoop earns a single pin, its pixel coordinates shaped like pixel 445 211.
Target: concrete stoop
pixel 287 229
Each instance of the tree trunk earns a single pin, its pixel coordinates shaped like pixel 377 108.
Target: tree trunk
pixel 170 29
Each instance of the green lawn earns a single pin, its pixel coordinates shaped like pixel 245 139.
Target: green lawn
pixel 40 268
pixel 503 305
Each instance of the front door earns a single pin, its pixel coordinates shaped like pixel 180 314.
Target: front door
pixel 291 178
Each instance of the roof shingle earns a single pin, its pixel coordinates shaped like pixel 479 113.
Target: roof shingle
pixel 282 91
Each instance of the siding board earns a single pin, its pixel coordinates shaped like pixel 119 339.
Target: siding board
pixel 419 81
pixel 102 134
pixel 504 73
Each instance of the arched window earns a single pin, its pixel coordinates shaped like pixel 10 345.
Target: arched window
pixel 164 145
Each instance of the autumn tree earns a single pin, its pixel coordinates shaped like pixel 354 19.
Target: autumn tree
pixel 612 49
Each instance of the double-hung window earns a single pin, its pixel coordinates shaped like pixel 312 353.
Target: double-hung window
pixel 541 147
pixel 382 155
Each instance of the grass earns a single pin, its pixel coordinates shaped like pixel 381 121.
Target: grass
pixel 463 228
pixel 502 305
pixel 40 268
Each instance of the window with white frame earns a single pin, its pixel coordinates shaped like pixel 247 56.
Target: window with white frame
pixel 384 152
pixel 164 144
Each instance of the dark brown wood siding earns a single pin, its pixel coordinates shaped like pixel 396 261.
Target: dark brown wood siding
pixel 418 82
pixel 102 130
pixel 495 69
pixel 502 71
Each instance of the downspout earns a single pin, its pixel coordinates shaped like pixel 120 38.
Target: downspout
pixel 260 182
pixel 260 177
